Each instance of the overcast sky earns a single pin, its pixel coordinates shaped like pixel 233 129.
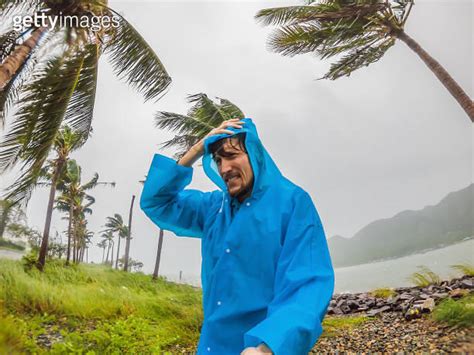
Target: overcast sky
pixel 387 139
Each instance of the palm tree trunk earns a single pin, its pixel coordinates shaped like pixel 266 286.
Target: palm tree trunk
pixel 158 255
pixel 49 215
pixel 446 79
pixel 3 221
pixel 74 247
pixel 112 255
pixel 108 251
pixel 18 57
pixel 69 231
pixel 127 247
pixel 118 251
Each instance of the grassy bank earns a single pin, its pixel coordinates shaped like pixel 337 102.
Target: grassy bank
pixel 93 308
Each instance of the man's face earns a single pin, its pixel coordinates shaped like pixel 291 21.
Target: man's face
pixel 235 169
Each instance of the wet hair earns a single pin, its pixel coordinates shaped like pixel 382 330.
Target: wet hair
pixel 216 147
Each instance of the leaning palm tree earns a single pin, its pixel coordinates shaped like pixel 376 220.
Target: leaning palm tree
pixel 73 191
pixel 114 225
pixel 66 141
pixel 50 74
pixel 129 236
pixel 102 245
pixel 359 32
pixel 203 116
pixel 108 238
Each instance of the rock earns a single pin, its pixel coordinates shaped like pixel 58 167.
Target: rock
pixel 439 295
pixel 467 283
pixel 458 293
pixel 353 304
pixel 373 312
pixel 345 309
pixel 413 313
pixel 428 305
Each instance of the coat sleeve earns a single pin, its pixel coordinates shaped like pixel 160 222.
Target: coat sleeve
pixel 165 201
pixel 304 284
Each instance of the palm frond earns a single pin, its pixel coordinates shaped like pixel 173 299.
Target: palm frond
pixel 203 116
pixel 135 61
pixel 319 13
pixel 359 58
pixel 10 94
pixel 10 7
pixel 289 14
pixel 20 191
pixel 205 110
pixel 180 123
pixel 80 109
pixel 41 112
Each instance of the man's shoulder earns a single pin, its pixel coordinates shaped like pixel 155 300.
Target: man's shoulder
pixel 291 190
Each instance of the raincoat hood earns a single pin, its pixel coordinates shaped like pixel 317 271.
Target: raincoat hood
pixel 264 169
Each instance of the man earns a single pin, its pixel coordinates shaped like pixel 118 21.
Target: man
pixel 267 276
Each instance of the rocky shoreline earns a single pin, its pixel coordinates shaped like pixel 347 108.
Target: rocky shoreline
pixel 410 301
pixel 399 322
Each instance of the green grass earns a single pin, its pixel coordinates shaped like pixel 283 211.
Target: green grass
pixel 383 292
pixel 333 325
pixel 424 277
pixel 465 269
pixel 456 313
pixel 96 308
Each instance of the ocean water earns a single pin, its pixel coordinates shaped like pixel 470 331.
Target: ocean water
pixel 396 272
pixel 389 273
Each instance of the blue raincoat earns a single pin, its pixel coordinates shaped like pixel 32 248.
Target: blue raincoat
pixel 266 270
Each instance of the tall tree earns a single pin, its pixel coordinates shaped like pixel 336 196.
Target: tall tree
pixel 116 225
pixel 66 141
pixel 73 192
pixel 202 117
pixel 102 245
pixel 158 256
pixel 108 237
pixel 359 32
pixel 129 236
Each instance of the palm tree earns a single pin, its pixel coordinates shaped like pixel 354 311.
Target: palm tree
pixel 102 245
pixel 129 236
pixel 50 75
pixel 359 31
pixel 66 141
pixel 115 224
pixel 73 191
pixel 203 116
pixel 108 239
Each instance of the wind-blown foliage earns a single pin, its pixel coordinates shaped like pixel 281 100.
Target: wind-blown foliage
pixel 55 82
pixel 203 116
pixel 359 31
pixel 356 33
pixel 116 225
pixel 76 201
